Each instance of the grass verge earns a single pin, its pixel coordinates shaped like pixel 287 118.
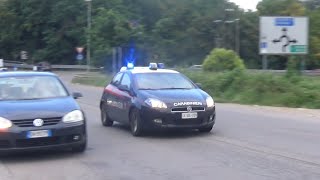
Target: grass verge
pixel 94 79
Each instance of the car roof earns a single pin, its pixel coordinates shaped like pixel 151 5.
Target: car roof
pixel 24 73
pixel 138 70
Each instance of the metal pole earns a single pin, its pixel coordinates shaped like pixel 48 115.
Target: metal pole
pixel 303 64
pixel 218 36
pixel 89 35
pixel 119 57
pixel 237 45
pixel 224 44
pixel 264 62
pixel 114 60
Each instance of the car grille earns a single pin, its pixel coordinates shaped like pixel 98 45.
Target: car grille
pixel 4 144
pixel 29 122
pixel 39 142
pixel 20 143
pixel 181 122
pixel 185 109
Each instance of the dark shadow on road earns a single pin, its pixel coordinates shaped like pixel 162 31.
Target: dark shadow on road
pixel 167 134
pixel 33 156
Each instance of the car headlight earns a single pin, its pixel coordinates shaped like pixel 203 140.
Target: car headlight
pixel 155 103
pixel 74 116
pixel 210 102
pixel 5 123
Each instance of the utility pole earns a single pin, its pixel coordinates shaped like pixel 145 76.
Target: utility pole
pixel 237 36
pixel 89 2
pixel 114 61
pixel 119 57
pixel 219 43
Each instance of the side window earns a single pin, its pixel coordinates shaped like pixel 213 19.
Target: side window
pixel 116 80
pixel 126 80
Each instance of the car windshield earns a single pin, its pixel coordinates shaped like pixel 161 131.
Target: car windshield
pixel 155 81
pixel 31 87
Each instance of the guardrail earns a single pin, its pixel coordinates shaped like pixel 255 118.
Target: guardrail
pixel 13 62
pixel 20 65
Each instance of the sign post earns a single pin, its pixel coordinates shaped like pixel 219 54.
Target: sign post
pixel 284 36
pixel 264 62
pixel 80 55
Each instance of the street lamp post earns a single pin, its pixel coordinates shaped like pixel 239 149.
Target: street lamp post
pixel 89 2
pixel 219 42
pixel 237 36
pixel 237 32
pixel 229 10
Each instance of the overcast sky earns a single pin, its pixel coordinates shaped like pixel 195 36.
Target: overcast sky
pixel 246 4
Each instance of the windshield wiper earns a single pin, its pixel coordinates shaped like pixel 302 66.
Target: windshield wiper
pixel 175 88
pixel 29 99
pixel 148 89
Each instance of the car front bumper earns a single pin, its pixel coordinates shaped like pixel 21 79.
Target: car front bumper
pixel 173 120
pixel 62 136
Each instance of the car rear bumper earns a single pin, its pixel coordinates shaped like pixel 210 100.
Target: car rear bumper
pixel 172 120
pixel 62 137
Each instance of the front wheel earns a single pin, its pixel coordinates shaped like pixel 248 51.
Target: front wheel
pixel 206 129
pixel 106 121
pixel 135 123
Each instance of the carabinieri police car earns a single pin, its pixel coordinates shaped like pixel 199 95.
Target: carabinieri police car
pixel 149 97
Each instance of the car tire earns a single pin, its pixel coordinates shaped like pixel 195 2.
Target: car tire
pixel 106 121
pixel 206 129
pixel 136 123
pixel 80 148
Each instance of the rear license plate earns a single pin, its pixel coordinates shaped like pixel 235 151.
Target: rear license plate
pixel 39 134
pixel 189 115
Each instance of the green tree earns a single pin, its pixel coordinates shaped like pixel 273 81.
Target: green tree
pixel 249 37
pixel 281 8
pixel 48 30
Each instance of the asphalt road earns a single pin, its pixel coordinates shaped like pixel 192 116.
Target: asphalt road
pixel 247 143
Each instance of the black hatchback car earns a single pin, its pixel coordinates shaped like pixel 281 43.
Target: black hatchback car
pixel 38 112
pixel 148 98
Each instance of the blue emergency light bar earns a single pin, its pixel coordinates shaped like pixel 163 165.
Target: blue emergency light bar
pixel 153 66
pixel 130 65
pixel 161 65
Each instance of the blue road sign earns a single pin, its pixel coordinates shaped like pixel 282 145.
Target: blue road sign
pixel 264 45
pixel 284 22
pixel 80 57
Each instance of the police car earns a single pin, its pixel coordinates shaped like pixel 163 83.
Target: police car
pixel 153 98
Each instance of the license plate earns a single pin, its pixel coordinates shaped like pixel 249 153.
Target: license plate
pixel 189 115
pixel 39 134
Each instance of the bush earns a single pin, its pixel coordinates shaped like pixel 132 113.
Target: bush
pixel 222 59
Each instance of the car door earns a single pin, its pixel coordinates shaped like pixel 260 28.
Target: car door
pixel 126 97
pixel 112 97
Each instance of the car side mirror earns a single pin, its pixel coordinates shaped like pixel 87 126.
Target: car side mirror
pixel 199 85
pixel 77 95
pixel 124 88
